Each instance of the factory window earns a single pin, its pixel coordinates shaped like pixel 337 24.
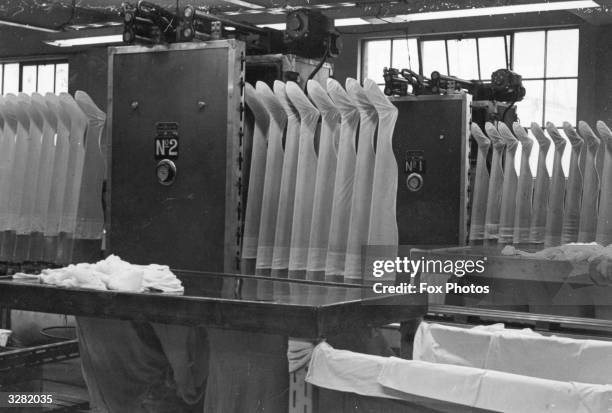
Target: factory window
pixel 28 77
pixel 547 60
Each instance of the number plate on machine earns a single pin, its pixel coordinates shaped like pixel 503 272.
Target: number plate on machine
pixel 415 162
pixel 166 140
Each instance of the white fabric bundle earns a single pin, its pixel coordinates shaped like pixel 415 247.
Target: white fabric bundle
pixel 541 188
pixel 282 237
pixel 509 189
pixel 383 218
pixel 90 218
pixel 604 220
pixel 362 187
pixel 524 192
pixel 590 186
pixel 324 186
pixel 272 179
pixel 257 173
pixel 111 273
pixel 554 211
pixel 481 185
pixel 304 181
pixel 496 182
pixel 344 181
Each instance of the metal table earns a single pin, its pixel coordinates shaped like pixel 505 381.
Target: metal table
pixel 242 314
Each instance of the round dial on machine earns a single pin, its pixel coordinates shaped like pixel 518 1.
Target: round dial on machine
pixel 414 182
pixel 166 172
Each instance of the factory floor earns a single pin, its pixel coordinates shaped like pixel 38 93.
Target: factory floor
pixel 62 379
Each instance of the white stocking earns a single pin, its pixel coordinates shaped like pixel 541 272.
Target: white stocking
pixel 590 186
pixel 344 181
pixel 541 188
pixel 510 187
pixel 305 181
pixel 324 186
pixel 362 188
pixel 284 220
pixel 554 211
pixel 272 177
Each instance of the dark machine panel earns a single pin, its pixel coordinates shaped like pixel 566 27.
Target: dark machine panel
pixel 430 147
pixel 175 154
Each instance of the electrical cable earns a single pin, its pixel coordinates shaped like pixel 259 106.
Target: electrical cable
pixel 316 69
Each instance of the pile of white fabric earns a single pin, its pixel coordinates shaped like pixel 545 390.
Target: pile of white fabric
pixel 575 252
pixel 112 273
pixel 598 257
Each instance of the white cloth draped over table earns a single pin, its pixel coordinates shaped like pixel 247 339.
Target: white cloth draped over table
pixel 541 188
pixel 509 189
pixel 524 193
pixel 481 185
pixel 305 181
pixel 555 208
pixel 90 217
pixel 284 220
pixel 604 220
pixel 497 348
pixel 383 218
pixel 74 176
pixel 325 179
pixel 257 173
pixel 394 378
pixel 272 179
pixel 344 181
pixel 362 187
pixel 590 186
pixel 496 182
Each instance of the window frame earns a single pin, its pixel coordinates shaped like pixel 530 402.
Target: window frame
pixel 32 61
pixel 508 36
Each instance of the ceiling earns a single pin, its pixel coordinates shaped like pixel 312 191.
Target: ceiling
pixel 64 15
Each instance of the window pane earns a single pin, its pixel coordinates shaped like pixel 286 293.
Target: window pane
pixel 492 55
pixel 529 54
pixel 531 107
pixel 28 79
pixel 562 53
pixel 561 98
pixel 46 78
pixel 61 77
pixel 405 54
pixel 11 78
pixel 462 58
pixel 377 56
pixel 433 55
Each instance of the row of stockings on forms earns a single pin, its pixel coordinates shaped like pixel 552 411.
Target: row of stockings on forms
pixel 542 207
pixel 51 175
pixel 323 179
